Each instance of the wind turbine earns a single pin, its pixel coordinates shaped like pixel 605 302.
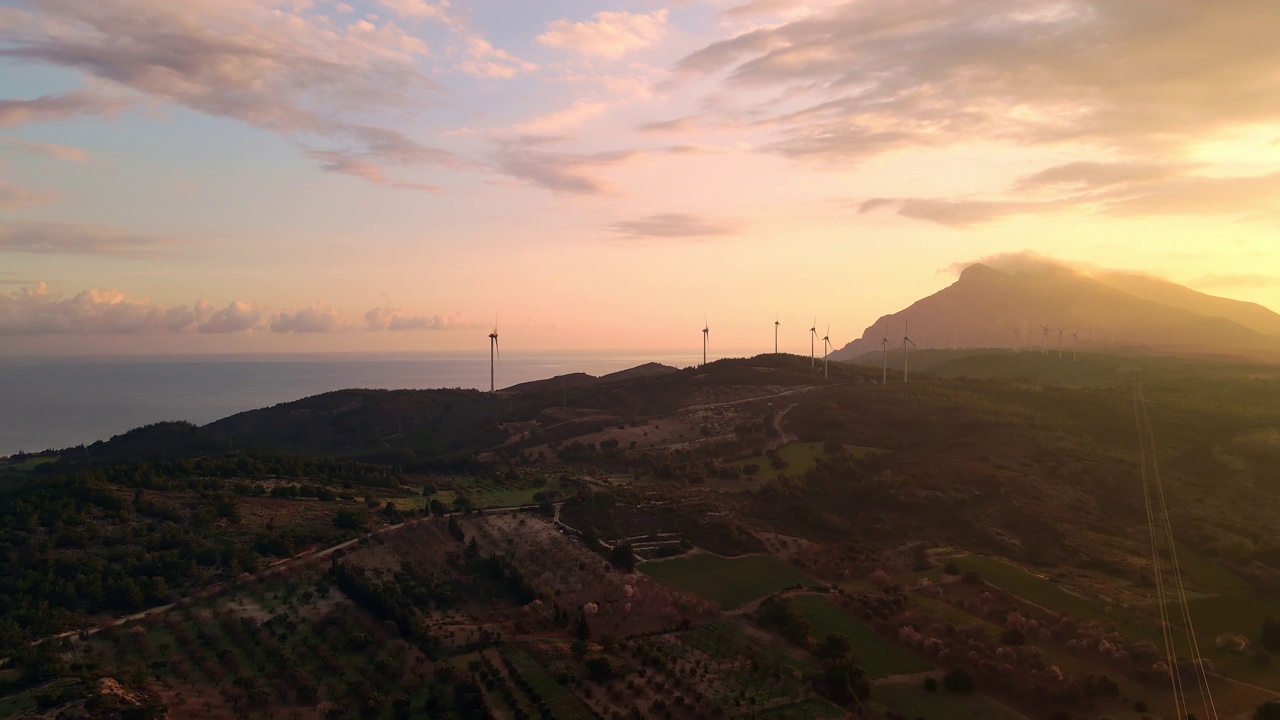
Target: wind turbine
pixel 776 323
pixel 1060 331
pixel 1017 341
pixel 706 337
pixel 884 343
pixel 813 337
pixel 1046 339
pixel 1075 343
pixel 826 350
pixel 906 340
pixel 493 352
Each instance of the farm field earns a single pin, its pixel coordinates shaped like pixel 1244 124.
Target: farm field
pixel 482 493
pixel 730 582
pixel 1030 587
pixel 913 701
pixel 799 458
pixel 879 657
pixel 563 704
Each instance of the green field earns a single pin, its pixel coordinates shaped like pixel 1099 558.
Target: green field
pixel 807 710
pixel 1032 588
pixel 563 703
pixel 1207 574
pixel 799 458
pixel 879 657
pixel 728 581
pixel 913 701
pixel 482 493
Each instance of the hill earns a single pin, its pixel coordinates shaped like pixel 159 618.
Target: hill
pixel 1111 311
pixel 995 492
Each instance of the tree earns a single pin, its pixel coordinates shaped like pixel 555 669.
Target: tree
pixel 347 520
pixel 1270 637
pixel 1268 711
pixel 834 647
pixel 623 557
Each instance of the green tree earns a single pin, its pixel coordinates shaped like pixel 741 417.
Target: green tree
pixel 623 557
pixel 1268 711
pixel 1270 636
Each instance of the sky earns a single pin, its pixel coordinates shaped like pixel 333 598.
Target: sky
pixel 305 176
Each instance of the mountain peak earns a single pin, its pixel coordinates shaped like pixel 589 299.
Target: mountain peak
pixel 1002 303
pixel 978 272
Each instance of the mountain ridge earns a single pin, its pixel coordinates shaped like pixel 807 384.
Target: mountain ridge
pixel 1039 307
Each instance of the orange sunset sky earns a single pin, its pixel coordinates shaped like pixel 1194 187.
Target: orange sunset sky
pixel 305 175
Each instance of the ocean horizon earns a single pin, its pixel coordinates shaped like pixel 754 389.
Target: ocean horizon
pixel 64 401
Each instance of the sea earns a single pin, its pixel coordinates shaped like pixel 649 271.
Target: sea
pixel 60 402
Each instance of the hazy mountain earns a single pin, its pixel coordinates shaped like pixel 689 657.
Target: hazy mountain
pixel 986 306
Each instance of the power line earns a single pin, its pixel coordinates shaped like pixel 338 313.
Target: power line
pixel 1197 660
pixel 1159 520
pixel 1166 632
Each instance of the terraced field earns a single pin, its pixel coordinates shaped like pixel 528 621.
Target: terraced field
pixel 731 582
pixel 879 657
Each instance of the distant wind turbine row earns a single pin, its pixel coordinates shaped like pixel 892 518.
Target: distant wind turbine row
pixel 495 355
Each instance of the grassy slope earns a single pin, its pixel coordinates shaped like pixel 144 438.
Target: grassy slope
pixel 729 582
pixel 879 657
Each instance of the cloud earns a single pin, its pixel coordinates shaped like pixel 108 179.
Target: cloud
pixel 570 118
pixel 396 320
pixel 238 316
pixel 874 76
pixel 269 64
pixel 337 161
pixel 1098 175
pixel 10 278
pixel 314 319
pixel 1231 280
pixel 963 213
pixel 674 225
pixel 528 159
pixel 1122 189
pixel 49 238
pixel 14 112
pixel 482 59
pixel 13 198
pixel 609 34
pixel 419 9
pixel 1027 262
pixel 681 125
pixel 35 310
pixel 58 152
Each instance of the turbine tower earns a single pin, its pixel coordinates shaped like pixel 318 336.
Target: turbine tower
pixel 1046 329
pixel 813 337
pixel 906 340
pixel 706 336
pixel 884 343
pixel 1060 331
pixel 1075 343
pixel 776 323
pixel 493 352
pixel 1017 341
pixel 826 350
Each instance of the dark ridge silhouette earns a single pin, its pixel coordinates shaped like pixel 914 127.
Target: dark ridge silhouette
pixel 1114 312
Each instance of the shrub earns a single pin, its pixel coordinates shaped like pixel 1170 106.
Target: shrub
pixel 1270 636
pixel 930 684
